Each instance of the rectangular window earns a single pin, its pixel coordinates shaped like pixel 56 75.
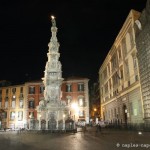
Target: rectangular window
pixel 21 92
pixel 31 103
pixel 21 89
pixel 119 53
pixel 124 47
pixel 13 103
pixel 105 73
pixel 114 62
pixel 80 87
pixel 31 114
pixel 106 87
pixel 5 115
pixel 68 88
pixel 7 91
pixel 12 115
pixel 127 67
pixel 41 89
pixel 6 102
pixel 81 102
pixel 108 69
pixel 81 113
pixel 131 37
pixel 115 79
pixel 13 90
pixel 20 115
pixel 21 103
pixel 31 90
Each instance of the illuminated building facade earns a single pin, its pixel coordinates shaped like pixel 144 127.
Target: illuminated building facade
pixel 121 101
pixel 13 103
pixel 76 94
pixel 35 93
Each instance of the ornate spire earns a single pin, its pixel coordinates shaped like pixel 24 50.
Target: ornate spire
pixel 53 21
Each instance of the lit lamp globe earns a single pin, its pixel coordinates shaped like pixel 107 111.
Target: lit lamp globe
pixel 52 17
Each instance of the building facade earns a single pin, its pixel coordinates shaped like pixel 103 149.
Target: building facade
pixel 75 93
pixel 13 103
pixel 143 48
pixel 121 100
pixel 18 103
pixel 34 94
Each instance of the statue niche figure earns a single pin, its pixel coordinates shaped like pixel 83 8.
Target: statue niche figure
pixel 53 21
pixel 42 103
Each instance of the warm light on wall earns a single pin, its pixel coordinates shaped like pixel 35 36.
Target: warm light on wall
pixel 95 109
pixel 75 106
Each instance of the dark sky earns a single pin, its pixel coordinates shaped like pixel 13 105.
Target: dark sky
pixel 86 32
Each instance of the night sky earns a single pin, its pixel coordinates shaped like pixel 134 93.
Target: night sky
pixel 86 32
